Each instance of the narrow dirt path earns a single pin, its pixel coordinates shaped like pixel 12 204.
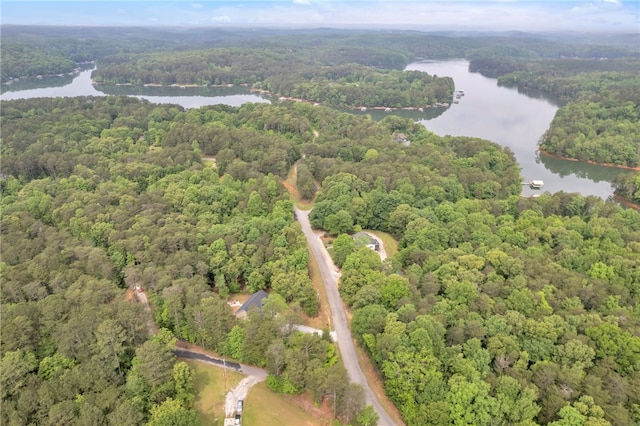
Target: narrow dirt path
pixel 381 251
pixel 239 393
pixel 152 329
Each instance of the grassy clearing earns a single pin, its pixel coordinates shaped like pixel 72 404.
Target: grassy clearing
pixel 210 159
pixel 390 244
pixel 210 384
pixel 265 408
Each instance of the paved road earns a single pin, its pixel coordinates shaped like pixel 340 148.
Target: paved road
pixel 221 362
pixel 185 353
pixel 347 349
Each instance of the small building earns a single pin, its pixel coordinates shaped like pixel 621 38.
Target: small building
pixel 401 138
pixel 364 239
pixel 255 300
pixel 536 184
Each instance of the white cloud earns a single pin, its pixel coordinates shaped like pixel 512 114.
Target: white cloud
pixel 498 15
pixel 223 18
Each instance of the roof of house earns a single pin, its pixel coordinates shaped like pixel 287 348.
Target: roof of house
pixel 364 235
pixel 358 236
pixel 255 300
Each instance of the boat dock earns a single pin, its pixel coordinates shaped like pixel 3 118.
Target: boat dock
pixel 535 184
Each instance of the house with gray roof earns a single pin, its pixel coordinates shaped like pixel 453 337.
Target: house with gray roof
pixel 364 239
pixel 255 300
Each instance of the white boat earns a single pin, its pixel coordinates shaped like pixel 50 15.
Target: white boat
pixel 536 184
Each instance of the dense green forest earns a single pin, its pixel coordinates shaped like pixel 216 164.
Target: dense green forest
pixel 498 309
pixel 91 207
pixel 495 302
pixel 339 68
pixel 285 73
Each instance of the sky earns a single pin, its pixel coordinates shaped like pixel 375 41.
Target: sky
pixel 495 15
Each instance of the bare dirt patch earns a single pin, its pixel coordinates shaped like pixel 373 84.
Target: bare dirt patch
pixel 209 159
pixel 129 296
pixel 292 188
pixel 304 401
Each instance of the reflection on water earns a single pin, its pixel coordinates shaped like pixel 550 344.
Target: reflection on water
pixel 592 172
pixel 127 90
pixel 37 83
pixel 188 97
pixel 81 85
pixel 536 94
pixel 31 83
pixel 515 119
pixel 414 114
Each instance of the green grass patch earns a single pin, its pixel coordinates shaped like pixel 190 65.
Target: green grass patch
pixel 390 244
pixel 211 387
pixel 265 408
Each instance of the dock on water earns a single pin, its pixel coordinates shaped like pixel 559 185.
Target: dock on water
pixel 535 184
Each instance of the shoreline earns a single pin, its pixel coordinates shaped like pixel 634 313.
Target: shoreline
pixel 354 108
pixel 273 95
pixel 620 199
pixel 595 163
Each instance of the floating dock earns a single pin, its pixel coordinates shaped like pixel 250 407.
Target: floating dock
pixel 535 184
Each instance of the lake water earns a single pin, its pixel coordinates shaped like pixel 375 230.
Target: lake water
pixel 486 111
pixel 189 97
pixel 512 119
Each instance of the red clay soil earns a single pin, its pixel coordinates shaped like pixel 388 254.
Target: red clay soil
pixel 304 401
pixel 626 202
pixel 617 166
pixel 292 190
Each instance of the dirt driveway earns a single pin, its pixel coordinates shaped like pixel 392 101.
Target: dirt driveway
pixel 381 251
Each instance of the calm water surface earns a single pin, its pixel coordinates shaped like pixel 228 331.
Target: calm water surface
pixel 488 111
pixel 512 119
pixel 187 97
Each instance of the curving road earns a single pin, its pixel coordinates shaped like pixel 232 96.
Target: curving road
pixel 343 335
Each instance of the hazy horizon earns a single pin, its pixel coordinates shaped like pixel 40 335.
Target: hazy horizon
pixel 463 15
